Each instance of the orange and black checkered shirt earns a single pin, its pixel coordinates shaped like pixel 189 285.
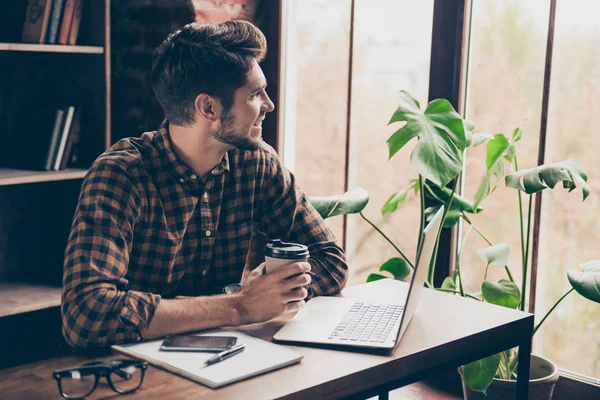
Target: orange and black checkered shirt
pixel 146 226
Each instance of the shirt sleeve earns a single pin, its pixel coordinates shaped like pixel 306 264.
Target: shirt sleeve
pixel 97 308
pixel 286 214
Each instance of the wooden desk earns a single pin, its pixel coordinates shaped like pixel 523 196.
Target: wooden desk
pixel 446 331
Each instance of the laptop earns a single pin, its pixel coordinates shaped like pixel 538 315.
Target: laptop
pixel 360 323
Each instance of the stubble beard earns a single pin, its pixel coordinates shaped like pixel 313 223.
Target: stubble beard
pixel 229 135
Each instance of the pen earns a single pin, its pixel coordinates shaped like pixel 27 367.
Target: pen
pixel 225 354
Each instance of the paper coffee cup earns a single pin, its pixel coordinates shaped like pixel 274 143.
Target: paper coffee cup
pixel 278 253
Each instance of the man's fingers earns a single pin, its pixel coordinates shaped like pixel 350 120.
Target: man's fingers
pixel 296 294
pixel 292 269
pixel 293 306
pixel 258 271
pixel 297 281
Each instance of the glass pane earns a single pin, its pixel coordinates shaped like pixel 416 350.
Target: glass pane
pixel 316 88
pixel 392 46
pixel 570 229
pixel 508 42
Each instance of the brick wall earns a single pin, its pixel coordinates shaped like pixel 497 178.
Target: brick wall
pixel 137 27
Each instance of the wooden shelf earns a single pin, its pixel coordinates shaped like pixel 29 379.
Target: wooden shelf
pixel 51 48
pixel 17 298
pixel 19 176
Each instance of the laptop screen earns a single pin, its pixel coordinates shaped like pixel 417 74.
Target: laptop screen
pixel 430 234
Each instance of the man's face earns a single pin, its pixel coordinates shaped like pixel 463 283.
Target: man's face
pixel 241 126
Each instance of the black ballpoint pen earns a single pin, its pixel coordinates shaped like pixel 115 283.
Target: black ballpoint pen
pixel 225 354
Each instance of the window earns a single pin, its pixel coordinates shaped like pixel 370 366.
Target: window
pixel 392 46
pixel 570 229
pixel 316 82
pixel 505 86
pixel 388 56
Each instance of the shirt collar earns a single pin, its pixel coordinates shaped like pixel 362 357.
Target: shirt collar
pixel 172 161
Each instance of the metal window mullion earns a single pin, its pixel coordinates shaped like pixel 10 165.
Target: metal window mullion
pixel 348 117
pixel 542 155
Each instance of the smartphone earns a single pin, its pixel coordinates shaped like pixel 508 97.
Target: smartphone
pixel 197 343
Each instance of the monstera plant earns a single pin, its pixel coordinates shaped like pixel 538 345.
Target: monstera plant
pixel 442 137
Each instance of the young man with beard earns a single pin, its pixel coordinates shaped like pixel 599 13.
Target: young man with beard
pixel 164 220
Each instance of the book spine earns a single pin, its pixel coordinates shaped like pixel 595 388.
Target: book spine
pixel 36 21
pixel 76 23
pixel 73 136
pixel 57 8
pixel 67 20
pixel 63 137
pixel 56 129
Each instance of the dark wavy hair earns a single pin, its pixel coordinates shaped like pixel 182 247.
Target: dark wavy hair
pixel 204 58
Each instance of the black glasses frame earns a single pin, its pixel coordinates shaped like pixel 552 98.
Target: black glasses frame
pixel 101 368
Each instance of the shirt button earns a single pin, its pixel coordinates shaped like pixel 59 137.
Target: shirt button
pixel 204 272
pixel 207 233
pixel 194 177
pixel 205 196
pixel 139 339
pixel 181 180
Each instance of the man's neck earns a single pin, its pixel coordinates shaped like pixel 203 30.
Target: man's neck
pixel 196 148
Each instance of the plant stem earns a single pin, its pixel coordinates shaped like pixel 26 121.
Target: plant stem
pixel 422 221
pixel 476 229
pixel 526 258
pixel 487 267
pixel 523 260
pixel 548 313
pixel 388 239
pixel 510 275
pixel 437 240
pixel 457 292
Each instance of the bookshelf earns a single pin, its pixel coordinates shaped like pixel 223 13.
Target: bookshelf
pixel 36 206
pixel 51 48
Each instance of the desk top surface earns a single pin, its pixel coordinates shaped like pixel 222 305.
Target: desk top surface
pixel 443 328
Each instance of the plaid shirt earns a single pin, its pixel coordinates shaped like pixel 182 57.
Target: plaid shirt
pixel 146 226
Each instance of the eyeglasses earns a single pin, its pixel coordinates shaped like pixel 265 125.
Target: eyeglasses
pixel 123 376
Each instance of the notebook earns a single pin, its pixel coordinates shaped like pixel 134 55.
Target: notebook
pixel 258 357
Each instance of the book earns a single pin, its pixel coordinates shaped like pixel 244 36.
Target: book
pixel 74 31
pixel 72 140
pixel 64 135
pixel 55 17
pixel 37 18
pixel 66 21
pixel 258 357
pixel 54 139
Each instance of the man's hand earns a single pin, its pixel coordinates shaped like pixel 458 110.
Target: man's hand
pixel 263 297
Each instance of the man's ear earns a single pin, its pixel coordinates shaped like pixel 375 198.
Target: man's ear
pixel 208 107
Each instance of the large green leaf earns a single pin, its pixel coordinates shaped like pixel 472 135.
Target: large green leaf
pixel 441 138
pixel 497 149
pixel 587 283
pixel 479 374
pixel 398 198
pixel 497 255
pixel 443 195
pixel 532 180
pixel 398 267
pixel 351 202
pixel 503 293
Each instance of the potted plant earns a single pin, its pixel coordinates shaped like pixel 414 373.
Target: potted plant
pixel 443 137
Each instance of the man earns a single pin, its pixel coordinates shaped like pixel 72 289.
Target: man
pixel 164 221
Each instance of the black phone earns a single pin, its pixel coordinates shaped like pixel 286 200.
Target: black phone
pixel 197 343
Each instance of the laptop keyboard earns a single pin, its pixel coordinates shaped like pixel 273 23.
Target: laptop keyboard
pixel 368 322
